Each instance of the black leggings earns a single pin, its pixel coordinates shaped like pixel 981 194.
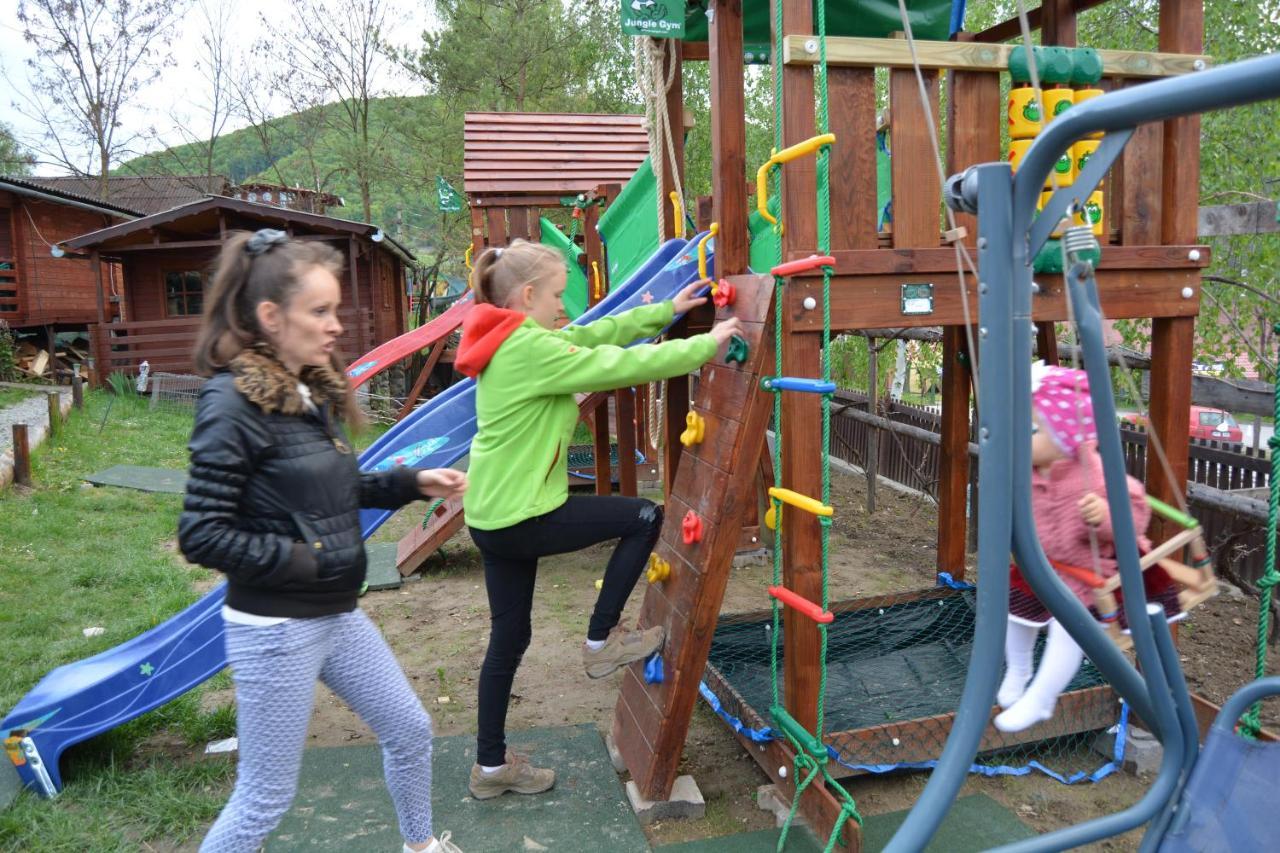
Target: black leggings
pixel 510 568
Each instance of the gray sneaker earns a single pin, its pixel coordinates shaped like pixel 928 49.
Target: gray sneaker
pixel 517 775
pixel 622 647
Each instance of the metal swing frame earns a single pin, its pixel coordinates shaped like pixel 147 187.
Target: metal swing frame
pixel 1008 238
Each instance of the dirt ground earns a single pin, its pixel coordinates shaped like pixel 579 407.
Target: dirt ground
pixel 437 624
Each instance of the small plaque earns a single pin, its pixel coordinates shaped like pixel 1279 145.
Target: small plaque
pixel 917 299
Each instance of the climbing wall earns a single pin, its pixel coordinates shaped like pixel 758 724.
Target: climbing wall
pixel 713 488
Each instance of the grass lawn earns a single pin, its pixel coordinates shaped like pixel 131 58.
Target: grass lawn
pixel 9 396
pixel 72 557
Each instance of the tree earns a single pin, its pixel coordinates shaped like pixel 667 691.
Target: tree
pixel 15 159
pixel 214 104
pixel 93 57
pixel 336 56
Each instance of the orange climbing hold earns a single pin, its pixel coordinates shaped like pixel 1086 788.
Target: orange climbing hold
pixel 802 605
pixel 723 294
pixel 812 262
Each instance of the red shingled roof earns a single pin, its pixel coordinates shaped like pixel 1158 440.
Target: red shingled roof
pixel 517 153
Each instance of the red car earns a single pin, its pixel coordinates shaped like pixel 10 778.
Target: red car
pixel 1207 423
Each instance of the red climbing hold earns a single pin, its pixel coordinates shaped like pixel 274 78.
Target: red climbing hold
pixel 725 294
pixel 692 527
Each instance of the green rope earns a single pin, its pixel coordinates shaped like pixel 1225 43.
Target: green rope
pixel 849 809
pixel 1251 724
pixel 431 510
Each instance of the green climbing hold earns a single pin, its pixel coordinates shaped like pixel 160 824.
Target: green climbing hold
pixel 1086 66
pixel 738 350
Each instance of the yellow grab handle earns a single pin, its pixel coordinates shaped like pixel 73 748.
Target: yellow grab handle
pixel 702 249
pixel 678 212
pixel 786 155
pixel 800 501
pixel 595 270
pixel 466 259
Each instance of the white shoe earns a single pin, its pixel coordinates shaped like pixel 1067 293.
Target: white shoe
pixel 1012 688
pixel 442 844
pixel 1024 714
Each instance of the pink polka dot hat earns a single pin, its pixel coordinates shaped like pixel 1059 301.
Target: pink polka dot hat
pixel 1060 396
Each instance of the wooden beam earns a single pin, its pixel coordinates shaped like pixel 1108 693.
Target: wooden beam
pixel 477 233
pixel 353 257
pixel 974 119
pixel 1223 220
pixel 695 51
pixel 728 139
pixel 953 459
pixel 594 249
pixel 177 244
pixel 979 56
pixel 875 301
pixel 935 259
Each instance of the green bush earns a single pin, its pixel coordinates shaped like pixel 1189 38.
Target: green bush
pixel 8 354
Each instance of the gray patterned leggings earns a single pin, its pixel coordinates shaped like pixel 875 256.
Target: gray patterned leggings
pixel 275 668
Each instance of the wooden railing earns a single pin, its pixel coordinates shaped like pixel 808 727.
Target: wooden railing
pixel 165 344
pixel 10 304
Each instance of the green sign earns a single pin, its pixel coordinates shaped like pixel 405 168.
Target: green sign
pixel 653 18
pixel 448 198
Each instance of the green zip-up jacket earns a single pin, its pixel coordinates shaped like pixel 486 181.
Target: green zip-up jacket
pixel 526 377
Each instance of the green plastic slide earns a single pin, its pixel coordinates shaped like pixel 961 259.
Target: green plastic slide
pixel 575 291
pixel 629 228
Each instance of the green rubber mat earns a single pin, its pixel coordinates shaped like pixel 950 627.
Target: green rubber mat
pixel 343 804
pixel 10 784
pixel 381 572
pixel 142 478
pixel 974 823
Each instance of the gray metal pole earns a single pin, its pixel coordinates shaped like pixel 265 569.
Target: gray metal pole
pixel 994 515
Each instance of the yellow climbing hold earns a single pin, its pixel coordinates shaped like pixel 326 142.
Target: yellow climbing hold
pixel 800 501
pixel 695 429
pixel 659 569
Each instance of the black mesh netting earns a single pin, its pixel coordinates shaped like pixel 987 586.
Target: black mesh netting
pixel 895 672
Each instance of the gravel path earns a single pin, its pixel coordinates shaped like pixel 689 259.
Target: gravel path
pixel 33 411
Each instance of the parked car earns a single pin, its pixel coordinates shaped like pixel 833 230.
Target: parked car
pixel 1207 423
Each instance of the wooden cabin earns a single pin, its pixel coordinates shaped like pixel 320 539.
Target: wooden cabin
pixel 145 194
pixel 167 261
pixel 38 290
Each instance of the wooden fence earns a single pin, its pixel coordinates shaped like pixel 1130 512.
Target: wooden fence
pixel 1234 521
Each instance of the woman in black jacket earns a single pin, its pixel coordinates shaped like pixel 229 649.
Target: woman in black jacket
pixel 273 502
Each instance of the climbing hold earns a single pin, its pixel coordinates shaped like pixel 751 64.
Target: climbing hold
pixel 653 673
pixel 771 518
pixel 723 294
pixel 738 350
pixel 695 429
pixel 599 583
pixel 691 527
pixel 659 569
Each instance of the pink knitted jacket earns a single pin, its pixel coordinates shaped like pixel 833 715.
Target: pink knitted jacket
pixel 1055 494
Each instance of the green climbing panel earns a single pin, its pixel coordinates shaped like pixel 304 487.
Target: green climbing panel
pixel 575 291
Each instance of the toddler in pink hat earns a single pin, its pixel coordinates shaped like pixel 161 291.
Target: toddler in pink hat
pixel 1068 499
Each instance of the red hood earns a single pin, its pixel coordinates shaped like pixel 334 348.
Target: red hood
pixel 483 331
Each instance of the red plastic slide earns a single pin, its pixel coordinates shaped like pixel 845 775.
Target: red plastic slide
pixel 379 358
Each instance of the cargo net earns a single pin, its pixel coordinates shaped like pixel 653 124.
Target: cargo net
pixel 896 666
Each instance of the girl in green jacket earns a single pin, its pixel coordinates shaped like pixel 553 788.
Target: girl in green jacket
pixel 518 506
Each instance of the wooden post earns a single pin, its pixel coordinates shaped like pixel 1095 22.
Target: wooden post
pixel 519 218
pixel 98 344
pixel 352 259
pixel 1047 342
pixel 728 138
pixel 77 389
pixel 600 442
pixel 873 432
pixel 625 418
pixel 1058 25
pixel 55 412
pixel 21 456
pixel 1173 339
pixel 801 427
pixel 477 232
pixel 595 254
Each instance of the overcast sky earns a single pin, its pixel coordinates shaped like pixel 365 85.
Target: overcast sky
pixel 170 95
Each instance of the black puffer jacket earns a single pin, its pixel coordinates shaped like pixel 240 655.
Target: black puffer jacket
pixel 274 493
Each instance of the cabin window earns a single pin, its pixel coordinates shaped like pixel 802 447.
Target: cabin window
pixel 184 293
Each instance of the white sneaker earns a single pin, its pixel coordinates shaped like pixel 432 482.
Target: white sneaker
pixel 442 844
pixel 1024 714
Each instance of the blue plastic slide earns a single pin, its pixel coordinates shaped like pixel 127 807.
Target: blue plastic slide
pixel 82 699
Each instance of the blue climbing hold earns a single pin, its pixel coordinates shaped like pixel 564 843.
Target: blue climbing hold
pixel 653 669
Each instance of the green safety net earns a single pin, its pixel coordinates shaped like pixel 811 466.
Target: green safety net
pixel 894 661
pixel 930 19
pixel 629 227
pixel 575 291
